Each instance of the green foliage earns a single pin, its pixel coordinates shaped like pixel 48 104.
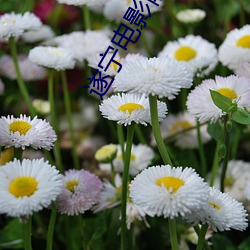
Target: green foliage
pixel 241 116
pixel 215 130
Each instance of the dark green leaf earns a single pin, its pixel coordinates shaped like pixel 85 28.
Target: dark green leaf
pixel 241 116
pixel 215 130
pixel 221 101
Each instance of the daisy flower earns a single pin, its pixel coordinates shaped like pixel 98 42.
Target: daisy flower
pixel 196 53
pixel 243 69
pixel 28 186
pixel 80 192
pixel 41 106
pixel 26 132
pixel 51 57
pixel 110 195
pixel 169 192
pixel 106 153
pixel 191 15
pixel 84 45
pixel 200 103
pixel 235 49
pixel 42 34
pixel 174 124
pixel 14 25
pixel 128 108
pixel 221 212
pixel 29 70
pixel 156 76
pixel 141 157
pixel 82 2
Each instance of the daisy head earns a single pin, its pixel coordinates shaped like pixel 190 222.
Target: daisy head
pixel 191 15
pixel 51 57
pixel 235 49
pixel 14 25
pixel 156 76
pixel 221 212
pixel 80 192
pixel 196 53
pixel 141 157
pixel 200 103
pixel 183 127
pixel 89 3
pixel 128 108
pixel 169 192
pixel 28 186
pixel 26 132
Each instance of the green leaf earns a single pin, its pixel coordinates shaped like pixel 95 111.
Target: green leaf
pixel 245 244
pixel 215 130
pixel 241 116
pixel 221 101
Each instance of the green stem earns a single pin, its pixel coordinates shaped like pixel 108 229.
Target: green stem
pixel 236 142
pixel 124 232
pixel 156 130
pixel 82 227
pixel 54 120
pixel 205 244
pixel 50 233
pixel 120 136
pixel 26 228
pixel 242 13
pixel 112 173
pixel 203 170
pixel 202 235
pixel 226 158
pixel 173 235
pixel 215 164
pixel 66 96
pixel 21 84
pixel 140 135
pixel 86 17
pixel 18 153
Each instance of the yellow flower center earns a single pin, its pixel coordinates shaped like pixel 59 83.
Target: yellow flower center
pixel 57 52
pixel 185 53
pixel 20 126
pixel 229 181
pixel 170 182
pixel 114 65
pixel 130 107
pixel 244 42
pixel 214 205
pixel 132 157
pixel 70 185
pixel 227 92
pixel 13 21
pixel 23 186
pixel 180 125
pixel 6 156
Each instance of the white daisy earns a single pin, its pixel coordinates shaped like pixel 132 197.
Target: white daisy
pixel 197 53
pixel 141 157
pixel 191 15
pixel 221 212
pixel 42 34
pixel 14 25
pixel 41 106
pixel 29 70
pixel 82 2
pixel 84 45
pixel 128 108
pixel 247 191
pixel 50 57
pixel 200 103
pixel 157 76
pixel 28 186
pixel 243 69
pixel 26 132
pixel 235 49
pixel 169 192
pixel 174 124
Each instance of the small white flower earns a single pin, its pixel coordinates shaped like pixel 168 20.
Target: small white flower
pixel 174 124
pixel 29 70
pixel 141 157
pixel 82 2
pixel 235 49
pixel 200 103
pixel 51 57
pixel 156 76
pixel 14 25
pixel 221 212
pixel 28 186
pixel 169 192
pixel 42 34
pixel 26 132
pixel 243 69
pixel 128 108
pixel 197 53
pixel 191 15
pixel 41 106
